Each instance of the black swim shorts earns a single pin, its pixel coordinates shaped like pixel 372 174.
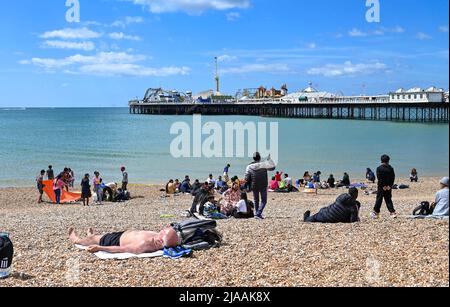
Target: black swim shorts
pixel 112 239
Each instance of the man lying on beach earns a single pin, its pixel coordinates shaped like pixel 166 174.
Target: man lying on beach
pixel 344 210
pixel 134 242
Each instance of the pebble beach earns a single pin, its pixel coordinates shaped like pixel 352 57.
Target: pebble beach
pixel 278 251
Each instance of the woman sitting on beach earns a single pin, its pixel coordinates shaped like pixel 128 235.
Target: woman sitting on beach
pixel 414 175
pixel 171 188
pixel 244 209
pixel 273 185
pixel 345 181
pixel 331 182
pixel 370 176
pixel 307 178
pixel 230 199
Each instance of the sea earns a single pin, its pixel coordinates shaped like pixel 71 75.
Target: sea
pixel 104 139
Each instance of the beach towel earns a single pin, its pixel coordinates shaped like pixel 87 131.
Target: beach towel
pixel 66 197
pixel 123 256
pixel 310 191
pixel 359 186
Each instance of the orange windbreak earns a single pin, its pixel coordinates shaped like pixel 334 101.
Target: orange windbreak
pixel 66 197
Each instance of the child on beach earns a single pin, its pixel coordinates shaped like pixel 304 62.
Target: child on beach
pixel 40 185
pixel 414 175
pixel 58 186
pixel 124 178
pixel 97 183
pixel 85 190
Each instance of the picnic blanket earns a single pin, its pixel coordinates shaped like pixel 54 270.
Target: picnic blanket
pixel 123 256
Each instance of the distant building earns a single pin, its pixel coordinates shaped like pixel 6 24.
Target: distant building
pixel 418 95
pixel 310 95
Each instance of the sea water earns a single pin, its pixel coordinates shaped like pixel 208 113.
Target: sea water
pixel 104 139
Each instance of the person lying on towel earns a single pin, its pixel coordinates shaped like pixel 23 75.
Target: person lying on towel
pixel 344 210
pixel 133 242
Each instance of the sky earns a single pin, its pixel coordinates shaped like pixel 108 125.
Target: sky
pixel 119 48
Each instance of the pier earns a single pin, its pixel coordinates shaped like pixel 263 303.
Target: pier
pixel 402 112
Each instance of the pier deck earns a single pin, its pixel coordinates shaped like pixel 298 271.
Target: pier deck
pixel 406 112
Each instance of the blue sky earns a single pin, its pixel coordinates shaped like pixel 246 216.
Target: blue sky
pixel 122 47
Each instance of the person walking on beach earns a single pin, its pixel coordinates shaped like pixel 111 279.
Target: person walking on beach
pixel 257 179
pixel 124 178
pixel 50 173
pixel 386 180
pixel 86 190
pixel 97 183
pixel 40 185
pixel 58 186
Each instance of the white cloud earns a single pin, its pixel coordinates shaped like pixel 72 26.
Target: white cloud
pixel 357 33
pixel 423 36
pixel 114 69
pixel 105 63
pixel 312 45
pixel 68 33
pixel 397 29
pixel 443 29
pixel 86 46
pixel 257 68
pixel 347 69
pixel 233 16
pixel 127 21
pixel 192 6
pixel 227 58
pixel 122 36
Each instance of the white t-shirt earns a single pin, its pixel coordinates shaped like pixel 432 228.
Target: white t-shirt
pixel 242 206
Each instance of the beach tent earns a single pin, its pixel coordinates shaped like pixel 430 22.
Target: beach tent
pixel 66 197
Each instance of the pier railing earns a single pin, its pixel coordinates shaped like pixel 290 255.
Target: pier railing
pixel 407 112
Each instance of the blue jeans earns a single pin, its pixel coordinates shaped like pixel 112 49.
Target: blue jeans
pixel 58 196
pixel 260 198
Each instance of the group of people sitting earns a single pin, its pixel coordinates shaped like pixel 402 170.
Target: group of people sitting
pixel 232 203
pixel 315 181
pixel 282 184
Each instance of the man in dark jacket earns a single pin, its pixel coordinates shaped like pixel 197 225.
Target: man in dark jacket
pixel 386 180
pixel 344 210
pixel 257 180
pixel 201 198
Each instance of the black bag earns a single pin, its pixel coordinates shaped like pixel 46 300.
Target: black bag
pixel 194 231
pixel 424 209
pixel 6 253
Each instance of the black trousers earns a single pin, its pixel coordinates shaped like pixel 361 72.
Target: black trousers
pixel 387 197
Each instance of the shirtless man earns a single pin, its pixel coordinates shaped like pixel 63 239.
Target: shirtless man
pixel 134 242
